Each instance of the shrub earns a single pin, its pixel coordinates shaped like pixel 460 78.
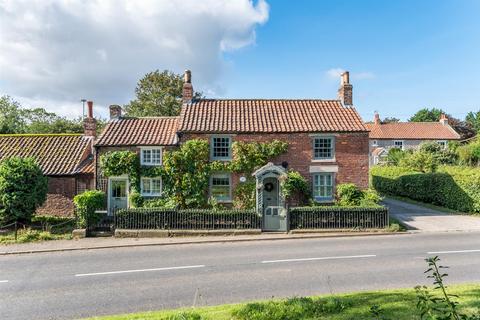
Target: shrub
pixel 469 154
pixel 159 203
pixel 420 161
pixel 348 194
pixel 394 156
pixel 23 188
pixel 440 154
pixel 47 221
pixel 136 199
pixel 87 203
pixel 295 184
pixel 454 187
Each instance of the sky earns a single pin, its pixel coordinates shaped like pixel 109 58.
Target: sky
pixel 403 55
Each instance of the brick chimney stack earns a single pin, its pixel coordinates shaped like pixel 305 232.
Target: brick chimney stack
pixel 187 92
pixel 90 123
pixel 345 92
pixel 115 112
pixel 443 119
pixel 376 118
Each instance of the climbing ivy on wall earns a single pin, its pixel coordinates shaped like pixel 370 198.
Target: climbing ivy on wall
pixel 186 171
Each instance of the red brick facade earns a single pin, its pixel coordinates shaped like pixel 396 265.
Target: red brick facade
pixel 351 154
pixel 61 190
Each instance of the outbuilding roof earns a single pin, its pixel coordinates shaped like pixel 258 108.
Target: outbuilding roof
pixel 412 130
pixel 57 154
pixel 268 116
pixel 148 131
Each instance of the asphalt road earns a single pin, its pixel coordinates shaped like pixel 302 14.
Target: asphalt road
pixel 68 285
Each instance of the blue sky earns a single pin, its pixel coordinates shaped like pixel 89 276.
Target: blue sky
pixel 403 55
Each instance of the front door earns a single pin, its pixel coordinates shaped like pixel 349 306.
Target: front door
pixel 271 210
pixel 118 194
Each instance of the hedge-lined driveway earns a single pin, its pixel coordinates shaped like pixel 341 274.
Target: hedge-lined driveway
pixel 425 219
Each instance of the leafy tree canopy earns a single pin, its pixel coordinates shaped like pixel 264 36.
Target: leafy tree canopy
pixel 157 94
pixel 427 115
pixel 473 119
pixel 23 188
pixel 15 119
pixel 390 120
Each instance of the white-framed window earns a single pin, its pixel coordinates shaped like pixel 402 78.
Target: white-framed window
pixel 374 143
pixel 221 148
pixel 323 148
pixel 398 144
pixel 442 143
pixel 151 187
pixel 221 187
pixel 323 185
pixel 151 156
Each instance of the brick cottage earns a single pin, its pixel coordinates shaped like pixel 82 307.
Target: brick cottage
pixel 327 143
pixel 66 159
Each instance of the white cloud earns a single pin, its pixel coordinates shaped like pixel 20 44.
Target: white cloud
pixel 334 73
pixel 57 52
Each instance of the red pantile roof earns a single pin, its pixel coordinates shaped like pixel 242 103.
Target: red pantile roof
pixel 412 130
pixel 151 131
pixel 257 115
pixel 57 154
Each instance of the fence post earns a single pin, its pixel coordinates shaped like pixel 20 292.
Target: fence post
pixel 16 229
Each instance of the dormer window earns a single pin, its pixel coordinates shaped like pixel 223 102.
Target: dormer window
pixel 151 156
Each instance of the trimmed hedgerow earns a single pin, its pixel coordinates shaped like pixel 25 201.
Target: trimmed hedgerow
pixel 454 187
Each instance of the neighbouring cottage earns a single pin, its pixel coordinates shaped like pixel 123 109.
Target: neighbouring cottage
pixel 406 135
pixel 327 143
pixel 66 159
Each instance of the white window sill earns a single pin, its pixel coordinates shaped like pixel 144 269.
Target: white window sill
pixel 151 164
pixel 324 160
pixel 151 195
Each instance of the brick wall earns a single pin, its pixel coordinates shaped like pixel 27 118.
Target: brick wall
pixel 351 154
pixel 61 191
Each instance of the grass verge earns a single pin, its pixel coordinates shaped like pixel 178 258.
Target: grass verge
pixel 396 304
pixel 30 235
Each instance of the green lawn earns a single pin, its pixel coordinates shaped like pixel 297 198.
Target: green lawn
pixel 397 304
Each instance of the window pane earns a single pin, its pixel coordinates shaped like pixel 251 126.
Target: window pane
pixel 156 186
pixel 156 156
pixel 220 188
pixel 323 148
pixel 323 186
pixel 146 186
pixel 119 189
pixel 221 147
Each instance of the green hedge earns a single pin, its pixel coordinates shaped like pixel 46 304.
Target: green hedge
pixel 454 187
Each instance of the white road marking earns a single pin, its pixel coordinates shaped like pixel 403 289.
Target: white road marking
pixel 320 258
pixel 137 270
pixel 3 281
pixel 457 251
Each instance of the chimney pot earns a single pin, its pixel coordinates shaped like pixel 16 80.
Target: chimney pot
pixel 376 118
pixel 187 91
pixel 443 119
pixel 90 109
pixel 115 111
pixel 345 78
pixel 90 123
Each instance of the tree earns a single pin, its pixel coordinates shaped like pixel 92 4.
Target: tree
pixel 11 116
pixel 41 121
pixel 23 188
pixel 157 94
pixel 390 120
pixel 473 119
pixel 427 115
